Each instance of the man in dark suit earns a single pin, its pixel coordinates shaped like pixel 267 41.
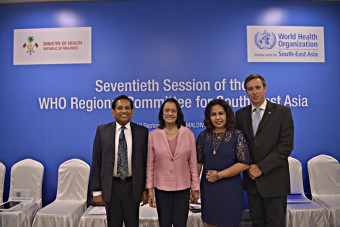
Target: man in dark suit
pixel 120 191
pixel 267 182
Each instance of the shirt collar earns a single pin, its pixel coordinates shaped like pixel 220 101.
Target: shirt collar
pixel 127 126
pixel 262 107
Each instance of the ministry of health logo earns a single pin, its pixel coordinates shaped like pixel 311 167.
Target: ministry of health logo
pixel 29 45
pixel 265 39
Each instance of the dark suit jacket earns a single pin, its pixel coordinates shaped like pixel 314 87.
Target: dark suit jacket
pixel 269 149
pixel 104 157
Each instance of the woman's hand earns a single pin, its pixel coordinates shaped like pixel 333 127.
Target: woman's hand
pixel 151 199
pixel 212 176
pixel 194 196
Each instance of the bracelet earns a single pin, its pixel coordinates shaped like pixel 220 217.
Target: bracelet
pixel 219 176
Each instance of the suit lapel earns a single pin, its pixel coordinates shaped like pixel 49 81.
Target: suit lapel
pixel 113 138
pixel 165 141
pixel 179 140
pixel 249 122
pixel 268 113
pixel 134 137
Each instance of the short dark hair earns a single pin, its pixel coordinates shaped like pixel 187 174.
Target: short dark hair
pixel 230 124
pixel 119 98
pixel 254 76
pixel 180 117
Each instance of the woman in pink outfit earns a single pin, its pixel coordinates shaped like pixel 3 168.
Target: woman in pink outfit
pixel 171 176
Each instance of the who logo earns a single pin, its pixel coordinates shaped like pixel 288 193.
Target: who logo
pixel 265 39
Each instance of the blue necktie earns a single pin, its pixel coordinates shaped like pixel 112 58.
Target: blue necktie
pixel 122 164
pixel 256 120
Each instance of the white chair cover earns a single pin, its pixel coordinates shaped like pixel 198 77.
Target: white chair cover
pixel 324 179
pixel 195 219
pixel 295 175
pixel 73 180
pixel 300 210
pixel 2 180
pixel 22 217
pixel 70 204
pixel 27 174
pixel 88 220
pixel 148 216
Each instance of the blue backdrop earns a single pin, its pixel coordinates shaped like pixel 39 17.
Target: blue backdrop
pixel 168 42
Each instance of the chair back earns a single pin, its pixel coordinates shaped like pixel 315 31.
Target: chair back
pixel 324 175
pixel 2 180
pixel 27 174
pixel 73 180
pixel 295 174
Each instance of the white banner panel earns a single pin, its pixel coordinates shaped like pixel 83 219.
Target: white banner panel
pixel 285 44
pixel 52 46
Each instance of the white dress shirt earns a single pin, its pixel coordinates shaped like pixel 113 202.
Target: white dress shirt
pixel 262 109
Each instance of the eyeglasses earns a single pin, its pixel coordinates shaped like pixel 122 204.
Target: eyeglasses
pixel 167 111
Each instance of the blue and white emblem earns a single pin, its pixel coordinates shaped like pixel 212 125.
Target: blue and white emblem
pixel 265 39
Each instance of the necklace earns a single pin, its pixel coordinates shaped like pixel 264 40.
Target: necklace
pixel 219 142
pixel 170 133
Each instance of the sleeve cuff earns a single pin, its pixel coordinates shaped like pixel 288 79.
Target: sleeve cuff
pixel 97 193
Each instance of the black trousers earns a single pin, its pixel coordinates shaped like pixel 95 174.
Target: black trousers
pixel 122 207
pixel 172 207
pixel 267 212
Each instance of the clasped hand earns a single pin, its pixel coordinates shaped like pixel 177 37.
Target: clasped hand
pixel 254 171
pixel 211 176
